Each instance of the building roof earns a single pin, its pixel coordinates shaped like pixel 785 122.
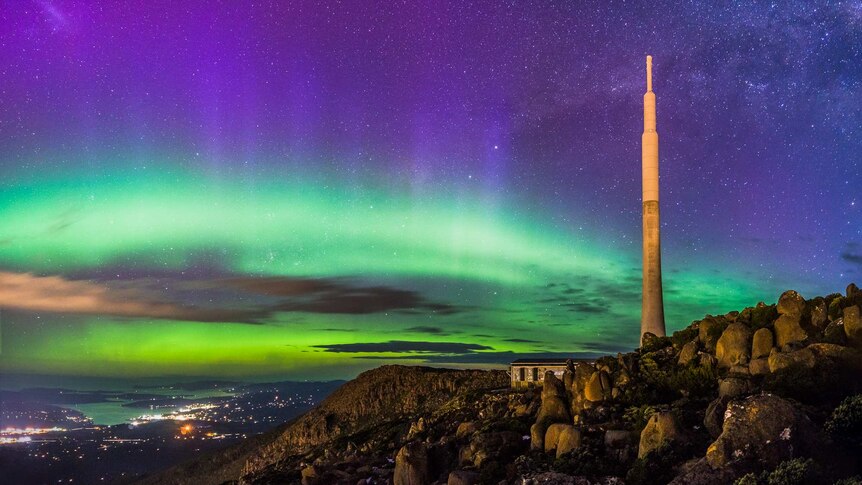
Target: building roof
pixel 546 361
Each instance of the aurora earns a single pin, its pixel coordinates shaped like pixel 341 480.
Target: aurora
pixel 192 190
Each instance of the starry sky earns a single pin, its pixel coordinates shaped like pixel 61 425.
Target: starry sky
pixel 310 189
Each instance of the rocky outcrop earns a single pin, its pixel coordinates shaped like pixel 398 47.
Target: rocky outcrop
pixel 731 394
pixel 381 395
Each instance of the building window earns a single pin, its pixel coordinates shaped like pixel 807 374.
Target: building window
pixel 535 373
pixel 522 374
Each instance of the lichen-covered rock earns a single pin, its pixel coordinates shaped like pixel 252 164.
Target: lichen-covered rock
pixel 734 345
pixel 688 353
pixel 802 358
pixel 661 429
pixel 761 343
pixel 791 303
pixel 853 326
pixel 764 429
pixel 788 330
pixel 709 330
pixel 562 438
pixel 411 465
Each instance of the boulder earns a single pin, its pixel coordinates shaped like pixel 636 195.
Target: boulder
pixel 688 353
pixel 734 387
pixel 714 417
pixel 411 465
pixel 554 408
pixel 310 475
pixel 764 429
pixel 563 438
pixel 466 429
pixel 819 315
pixel 661 429
pixel 845 357
pixel 495 445
pixel 709 330
pixel 834 333
pixel 788 330
pixel 853 326
pixel 791 303
pixel 761 344
pixel 734 345
pixel 463 477
pixel 852 290
pixel 759 367
pixel 803 358
pixel 599 387
pixel 537 436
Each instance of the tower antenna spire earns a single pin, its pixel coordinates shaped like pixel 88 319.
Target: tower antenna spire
pixel 649 73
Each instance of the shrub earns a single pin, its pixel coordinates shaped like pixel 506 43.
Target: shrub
pixel 849 481
pixel 656 468
pixel 845 423
pixel 588 460
pixel 684 336
pixel 697 381
pixel 653 343
pixel 794 472
pixel 637 416
pixel 748 479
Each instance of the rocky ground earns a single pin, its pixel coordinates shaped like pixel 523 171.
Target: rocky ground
pixel 768 395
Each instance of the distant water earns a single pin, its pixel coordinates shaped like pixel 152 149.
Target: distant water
pixel 113 412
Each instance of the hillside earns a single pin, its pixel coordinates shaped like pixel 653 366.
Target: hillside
pixel 764 395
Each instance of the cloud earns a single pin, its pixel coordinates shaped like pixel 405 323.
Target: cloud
pixel 405 346
pixel 320 295
pixel 55 294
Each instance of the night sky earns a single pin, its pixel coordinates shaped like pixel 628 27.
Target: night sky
pixel 309 189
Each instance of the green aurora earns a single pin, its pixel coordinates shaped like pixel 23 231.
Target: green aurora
pixel 500 278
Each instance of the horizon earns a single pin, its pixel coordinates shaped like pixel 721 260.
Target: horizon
pixel 200 190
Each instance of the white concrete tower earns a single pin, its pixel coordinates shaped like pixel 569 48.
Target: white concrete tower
pixel 652 304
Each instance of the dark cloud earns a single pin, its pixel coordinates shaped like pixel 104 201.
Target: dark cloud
pixel 428 330
pixel 405 346
pixel 852 257
pixel 338 296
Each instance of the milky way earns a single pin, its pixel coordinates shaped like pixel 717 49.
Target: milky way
pixel 314 188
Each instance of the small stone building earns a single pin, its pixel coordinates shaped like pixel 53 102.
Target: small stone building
pixel 531 372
